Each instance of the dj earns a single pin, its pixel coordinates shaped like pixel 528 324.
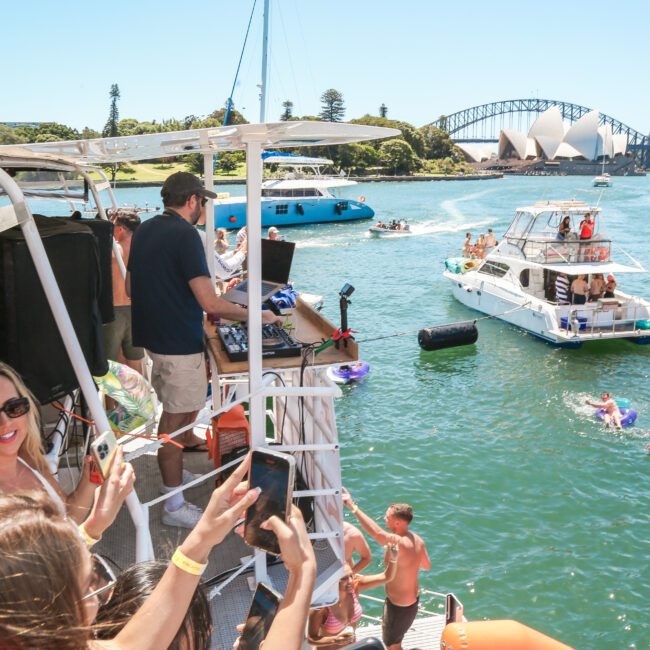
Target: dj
pixel 170 288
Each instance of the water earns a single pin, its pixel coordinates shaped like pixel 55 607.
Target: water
pixel 529 508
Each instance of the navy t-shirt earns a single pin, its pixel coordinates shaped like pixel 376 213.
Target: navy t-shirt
pixel 166 253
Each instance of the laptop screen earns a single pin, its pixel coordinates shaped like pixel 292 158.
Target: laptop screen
pixel 276 260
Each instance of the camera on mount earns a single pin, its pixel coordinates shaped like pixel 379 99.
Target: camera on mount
pixel 346 291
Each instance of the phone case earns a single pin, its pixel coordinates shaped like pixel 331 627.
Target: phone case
pixel 103 450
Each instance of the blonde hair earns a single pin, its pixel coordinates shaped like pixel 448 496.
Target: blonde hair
pixel 32 448
pixel 40 585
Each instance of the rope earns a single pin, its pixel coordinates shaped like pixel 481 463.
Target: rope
pixel 476 320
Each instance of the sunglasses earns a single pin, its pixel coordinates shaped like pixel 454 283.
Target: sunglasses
pixel 15 407
pixel 204 200
pixel 102 581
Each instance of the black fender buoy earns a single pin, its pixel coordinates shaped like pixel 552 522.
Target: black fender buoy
pixel 448 336
pixel 299 209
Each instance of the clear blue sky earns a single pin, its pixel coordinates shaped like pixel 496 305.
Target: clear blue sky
pixel 420 57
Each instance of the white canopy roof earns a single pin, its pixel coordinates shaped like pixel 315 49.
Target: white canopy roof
pixel 177 143
pixel 594 267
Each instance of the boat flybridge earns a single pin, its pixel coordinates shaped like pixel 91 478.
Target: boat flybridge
pixel 301 419
pixel 302 195
pixel 516 281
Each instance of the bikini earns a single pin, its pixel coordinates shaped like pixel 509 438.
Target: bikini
pixel 334 626
pixel 51 492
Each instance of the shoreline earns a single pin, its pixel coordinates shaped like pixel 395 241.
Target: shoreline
pixel 359 179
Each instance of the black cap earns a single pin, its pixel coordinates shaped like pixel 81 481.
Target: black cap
pixel 184 183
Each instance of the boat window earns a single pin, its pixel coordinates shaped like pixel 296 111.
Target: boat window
pixel 519 226
pixel 343 205
pixel 282 208
pixel 498 269
pixel 524 277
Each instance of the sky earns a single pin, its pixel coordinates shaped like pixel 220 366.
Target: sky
pixel 421 58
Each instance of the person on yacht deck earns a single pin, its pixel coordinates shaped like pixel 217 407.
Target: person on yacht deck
pixel 610 287
pixel 562 289
pixel 355 543
pixel 490 242
pixel 612 412
pixel 597 287
pixel 580 290
pixel 565 228
pixel 587 227
pixel 467 245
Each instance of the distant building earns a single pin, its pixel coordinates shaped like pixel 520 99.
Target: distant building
pixel 550 138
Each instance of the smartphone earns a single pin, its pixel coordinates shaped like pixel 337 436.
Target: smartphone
pixel 95 475
pixel 103 450
pixel 453 609
pixel 274 473
pixel 261 613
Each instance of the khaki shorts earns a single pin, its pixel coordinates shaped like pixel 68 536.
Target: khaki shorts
pixel 180 381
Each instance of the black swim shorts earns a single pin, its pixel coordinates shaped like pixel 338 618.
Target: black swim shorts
pixel 396 621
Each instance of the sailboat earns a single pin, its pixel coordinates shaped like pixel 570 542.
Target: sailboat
pixel 604 179
pixel 304 195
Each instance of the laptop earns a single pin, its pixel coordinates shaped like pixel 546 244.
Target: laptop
pixel 276 265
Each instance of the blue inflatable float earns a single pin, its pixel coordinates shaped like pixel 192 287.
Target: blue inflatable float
pixel 628 414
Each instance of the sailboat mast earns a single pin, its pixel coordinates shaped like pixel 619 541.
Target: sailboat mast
pixel 265 49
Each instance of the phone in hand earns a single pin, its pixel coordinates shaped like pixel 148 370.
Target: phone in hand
pixel 103 450
pixel 261 613
pixel 95 475
pixel 453 609
pixel 273 472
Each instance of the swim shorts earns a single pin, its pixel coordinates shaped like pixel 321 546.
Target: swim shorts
pixel 396 621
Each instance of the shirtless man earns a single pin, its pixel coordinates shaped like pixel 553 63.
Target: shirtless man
pixel 402 593
pixel 355 542
pixel 612 412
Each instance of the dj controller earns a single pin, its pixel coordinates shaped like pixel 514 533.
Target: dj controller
pixel 276 342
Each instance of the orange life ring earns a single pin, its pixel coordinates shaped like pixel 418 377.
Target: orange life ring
pixel 362 199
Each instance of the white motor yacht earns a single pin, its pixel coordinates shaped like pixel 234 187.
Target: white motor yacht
pixel 604 180
pixel 516 281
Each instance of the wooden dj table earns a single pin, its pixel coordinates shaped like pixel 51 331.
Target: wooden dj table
pixel 309 326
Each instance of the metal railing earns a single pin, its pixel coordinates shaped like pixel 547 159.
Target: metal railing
pixel 547 251
pixel 617 318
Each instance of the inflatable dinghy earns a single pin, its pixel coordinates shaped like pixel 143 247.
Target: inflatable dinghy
pixel 346 373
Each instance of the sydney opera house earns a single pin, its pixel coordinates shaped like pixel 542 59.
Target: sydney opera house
pixel 552 139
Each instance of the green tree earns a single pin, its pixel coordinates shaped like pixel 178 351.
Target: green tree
pixel 437 143
pixel 9 135
pixel 216 118
pixel 112 129
pixel 332 107
pixel 287 113
pixel 383 110
pixel 398 156
pixel 90 134
pixel 409 132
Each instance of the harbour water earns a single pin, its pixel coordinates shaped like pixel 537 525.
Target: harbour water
pixel 530 509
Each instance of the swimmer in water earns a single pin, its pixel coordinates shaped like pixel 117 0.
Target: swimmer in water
pixel 612 412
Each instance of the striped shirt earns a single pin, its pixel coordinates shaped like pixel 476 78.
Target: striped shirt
pixel 562 289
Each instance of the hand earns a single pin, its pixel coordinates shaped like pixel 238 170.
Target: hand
pixel 347 498
pixel 393 551
pixel 227 504
pixel 269 317
pixel 110 496
pixel 295 548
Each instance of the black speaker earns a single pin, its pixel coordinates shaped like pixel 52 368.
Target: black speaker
pixel 29 338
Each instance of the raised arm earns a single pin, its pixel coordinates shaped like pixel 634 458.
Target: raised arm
pixel 368 524
pixel 361 548
pixel 156 623
pixel 425 562
pixel 387 575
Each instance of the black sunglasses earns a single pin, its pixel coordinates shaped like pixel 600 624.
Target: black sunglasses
pixel 204 200
pixel 15 407
pixel 102 582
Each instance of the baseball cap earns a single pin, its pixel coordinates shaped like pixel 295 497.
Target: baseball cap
pixel 273 229
pixel 184 183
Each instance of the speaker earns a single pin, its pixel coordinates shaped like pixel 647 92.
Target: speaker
pixel 29 338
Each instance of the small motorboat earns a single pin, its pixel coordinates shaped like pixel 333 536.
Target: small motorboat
pixel 604 180
pixel 393 228
pixel 346 373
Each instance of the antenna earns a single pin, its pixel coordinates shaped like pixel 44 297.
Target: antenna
pixel 265 48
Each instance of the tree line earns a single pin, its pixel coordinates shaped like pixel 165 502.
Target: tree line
pixel 425 149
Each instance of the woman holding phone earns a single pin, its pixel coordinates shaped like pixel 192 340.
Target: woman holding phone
pixel 23 465
pixel 48 586
pixel 333 627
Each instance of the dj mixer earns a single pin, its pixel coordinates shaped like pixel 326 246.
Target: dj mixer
pixel 276 342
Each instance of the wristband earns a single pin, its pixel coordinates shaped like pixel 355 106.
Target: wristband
pixel 90 541
pixel 180 560
pixel 354 509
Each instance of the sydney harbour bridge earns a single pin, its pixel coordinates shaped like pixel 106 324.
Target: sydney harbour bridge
pixel 484 123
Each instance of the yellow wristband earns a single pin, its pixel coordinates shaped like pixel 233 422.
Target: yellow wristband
pixel 354 509
pixel 184 563
pixel 90 541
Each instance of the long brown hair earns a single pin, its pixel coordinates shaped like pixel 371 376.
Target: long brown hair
pixel 32 448
pixel 40 592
